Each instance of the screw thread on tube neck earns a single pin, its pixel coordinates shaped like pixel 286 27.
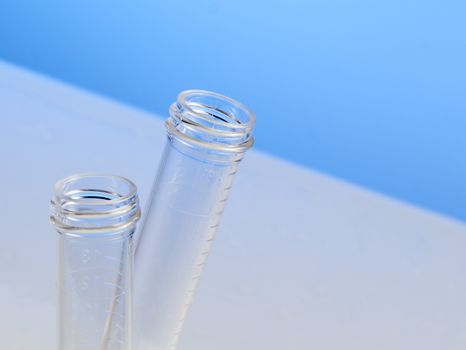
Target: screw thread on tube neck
pixel 212 122
pixel 89 203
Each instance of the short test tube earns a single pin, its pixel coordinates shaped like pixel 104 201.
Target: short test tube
pixel 95 217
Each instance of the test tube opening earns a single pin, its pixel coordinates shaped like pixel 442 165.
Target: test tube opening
pixel 94 203
pixel 219 108
pixel 217 122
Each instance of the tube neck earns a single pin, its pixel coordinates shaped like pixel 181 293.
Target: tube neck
pixel 94 204
pixel 204 119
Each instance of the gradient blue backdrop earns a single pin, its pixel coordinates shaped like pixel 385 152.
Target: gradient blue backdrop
pixel 369 91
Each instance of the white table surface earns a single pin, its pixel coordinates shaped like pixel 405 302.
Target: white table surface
pixel 301 260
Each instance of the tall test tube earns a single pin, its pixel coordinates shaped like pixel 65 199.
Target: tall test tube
pixel 208 135
pixel 95 217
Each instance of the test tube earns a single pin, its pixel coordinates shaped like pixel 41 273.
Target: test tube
pixel 95 217
pixel 208 134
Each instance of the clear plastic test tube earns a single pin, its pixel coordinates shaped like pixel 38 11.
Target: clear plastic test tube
pixel 95 216
pixel 208 134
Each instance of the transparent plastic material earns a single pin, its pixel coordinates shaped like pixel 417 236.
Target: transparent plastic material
pixel 207 136
pixel 95 216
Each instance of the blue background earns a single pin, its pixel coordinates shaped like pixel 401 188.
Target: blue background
pixel 369 91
